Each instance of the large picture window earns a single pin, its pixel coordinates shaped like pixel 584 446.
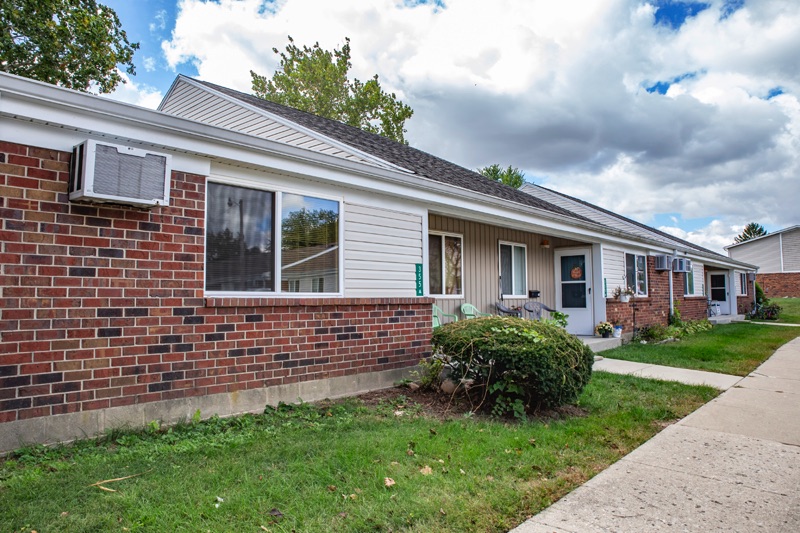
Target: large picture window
pixel 513 269
pixel 444 264
pixel 636 273
pixel 243 227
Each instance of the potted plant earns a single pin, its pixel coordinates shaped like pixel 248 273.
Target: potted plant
pixel 604 329
pixel 622 294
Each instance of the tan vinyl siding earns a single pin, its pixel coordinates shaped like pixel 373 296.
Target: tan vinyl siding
pixel 613 270
pixel 382 248
pixel 480 263
pixel 764 253
pixel 195 103
pixel 791 251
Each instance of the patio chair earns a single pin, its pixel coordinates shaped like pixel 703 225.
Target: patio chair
pixel 439 316
pixel 470 311
pixel 502 310
pixel 535 309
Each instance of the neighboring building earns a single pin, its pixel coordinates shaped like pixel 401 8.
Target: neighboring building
pixel 777 256
pixel 289 257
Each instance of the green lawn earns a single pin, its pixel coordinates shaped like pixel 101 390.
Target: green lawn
pixel 327 468
pixel 790 313
pixel 735 349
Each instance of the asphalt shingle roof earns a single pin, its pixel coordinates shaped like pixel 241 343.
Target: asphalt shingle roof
pixel 417 161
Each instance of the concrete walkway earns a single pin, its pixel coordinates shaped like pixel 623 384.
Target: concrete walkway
pixel 732 465
pixel 667 373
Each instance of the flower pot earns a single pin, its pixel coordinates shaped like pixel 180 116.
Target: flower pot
pixel 624 298
pixel 617 332
pixel 606 334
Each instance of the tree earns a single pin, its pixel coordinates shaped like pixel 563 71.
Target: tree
pixel 304 228
pixel 751 231
pixel 315 80
pixel 511 176
pixel 73 43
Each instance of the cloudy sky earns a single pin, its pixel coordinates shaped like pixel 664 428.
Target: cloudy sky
pixel 680 114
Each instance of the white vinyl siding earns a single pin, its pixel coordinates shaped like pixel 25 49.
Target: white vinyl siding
pixel 791 251
pixel 195 103
pixel 764 252
pixel 381 250
pixel 699 279
pixel 613 270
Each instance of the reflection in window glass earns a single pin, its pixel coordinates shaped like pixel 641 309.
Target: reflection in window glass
pixel 444 264
pixel 636 273
pixel 513 270
pixel 309 244
pixel 239 236
pixel 688 283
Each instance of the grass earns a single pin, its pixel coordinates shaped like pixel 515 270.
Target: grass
pixel 790 313
pixel 322 468
pixel 735 349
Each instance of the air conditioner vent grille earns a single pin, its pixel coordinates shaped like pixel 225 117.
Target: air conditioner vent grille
pixel 126 175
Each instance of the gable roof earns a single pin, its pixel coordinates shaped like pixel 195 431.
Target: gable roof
pixel 407 158
pixel 774 233
pixel 614 220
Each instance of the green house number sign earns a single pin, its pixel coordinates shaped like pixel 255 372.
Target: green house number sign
pixel 419 279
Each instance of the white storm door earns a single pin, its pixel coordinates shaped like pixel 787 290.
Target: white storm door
pixel 574 289
pixel 718 284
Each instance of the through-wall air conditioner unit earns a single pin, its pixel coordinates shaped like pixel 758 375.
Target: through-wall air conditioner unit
pixel 682 265
pixel 751 276
pixel 109 173
pixel 663 262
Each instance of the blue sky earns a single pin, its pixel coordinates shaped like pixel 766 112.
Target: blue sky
pixel 680 114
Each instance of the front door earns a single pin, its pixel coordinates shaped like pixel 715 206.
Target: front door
pixel 718 284
pixel 574 289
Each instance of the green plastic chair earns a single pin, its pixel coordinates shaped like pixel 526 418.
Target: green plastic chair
pixel 470 311
pixel 439 316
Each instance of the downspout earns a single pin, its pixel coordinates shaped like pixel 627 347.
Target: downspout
pixel 671 297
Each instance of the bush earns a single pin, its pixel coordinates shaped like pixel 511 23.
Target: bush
pixel 518 365
pixel 767 311
pixel 678 330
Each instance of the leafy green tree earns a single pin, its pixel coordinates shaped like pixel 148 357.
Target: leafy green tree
pixel 511 176
pixel 315 80
pixel 305 228
pixel 751 231
pixel 72 43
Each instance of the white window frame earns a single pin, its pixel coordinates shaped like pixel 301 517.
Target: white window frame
pixel 636 274
pixel 513 245
pixel 460 294
pixel 686 287
pixel 278 191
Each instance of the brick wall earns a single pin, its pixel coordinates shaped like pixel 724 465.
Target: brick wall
pixel 654 308
pixel 780 285
pixel 102 306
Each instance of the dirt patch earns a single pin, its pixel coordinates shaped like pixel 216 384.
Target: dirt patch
pixel 437 404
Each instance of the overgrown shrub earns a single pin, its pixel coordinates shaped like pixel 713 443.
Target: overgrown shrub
pixel 517 365
pixel 761 298
pixel 678 330
pixel 767 311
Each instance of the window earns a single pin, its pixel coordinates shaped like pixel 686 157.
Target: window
pixel 444 264
pixel 743 283
pixel 636 273
pixel 688 283
pixel 242 229
pixel 513 270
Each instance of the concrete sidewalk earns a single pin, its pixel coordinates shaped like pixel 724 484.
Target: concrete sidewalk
pixel 667 373
pixel 732 465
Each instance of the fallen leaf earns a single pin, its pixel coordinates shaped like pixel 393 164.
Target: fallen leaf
pixel 433 431
pixel 532 442
pixel 332 488
pixel 342 515
pixel 276 513
pixel 264 529
pixel 353 496
pixel 426 470
pixel 389 482
pixel 461 470
pixel 441 461
pixel 409 452
pixel 442 511
pixel 394 463
pixel 65 513
pixel 399 413
pixel 489 478
pixel 220 500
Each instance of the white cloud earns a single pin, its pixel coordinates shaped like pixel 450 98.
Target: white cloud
pixel 558 89
pixel 159 21
pixel 136 93
pixel 149 64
